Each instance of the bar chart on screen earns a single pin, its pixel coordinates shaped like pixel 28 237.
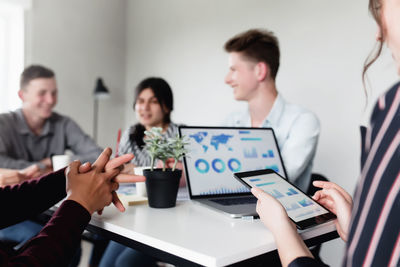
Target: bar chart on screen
pixel 305 202
pixel 275 193
pixel 292 206
pixel 250 153
pixel 291 192
pixel 224 190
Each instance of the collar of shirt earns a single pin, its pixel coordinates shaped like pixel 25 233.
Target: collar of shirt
pixel 24 129
pixel 275 113
pixel 272 119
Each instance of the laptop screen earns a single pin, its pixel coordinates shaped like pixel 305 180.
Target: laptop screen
pixel 217 152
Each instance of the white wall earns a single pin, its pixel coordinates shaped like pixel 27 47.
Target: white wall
pixel 323 45
pixel 80 41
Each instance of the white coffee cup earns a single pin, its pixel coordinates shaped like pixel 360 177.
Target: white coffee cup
pixel 60 161
pixel 140 186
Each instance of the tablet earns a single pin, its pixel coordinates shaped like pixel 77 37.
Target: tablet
pixel 301 209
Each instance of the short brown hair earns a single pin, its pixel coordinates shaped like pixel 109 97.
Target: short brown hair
pixel 33 72
pixel 257 44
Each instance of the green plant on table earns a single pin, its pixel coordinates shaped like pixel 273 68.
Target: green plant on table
pixel 163 148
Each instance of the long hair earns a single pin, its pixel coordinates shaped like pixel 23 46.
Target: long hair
pixel 163 92
pixel 374 7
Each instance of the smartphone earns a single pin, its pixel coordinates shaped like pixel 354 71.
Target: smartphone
pixel 301 209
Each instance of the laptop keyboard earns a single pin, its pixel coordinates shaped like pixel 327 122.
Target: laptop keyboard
pixel 235 201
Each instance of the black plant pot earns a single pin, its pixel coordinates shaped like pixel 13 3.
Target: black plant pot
pixel 162 187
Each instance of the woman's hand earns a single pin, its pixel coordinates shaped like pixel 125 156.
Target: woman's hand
pixel 272 213
pixel 338 201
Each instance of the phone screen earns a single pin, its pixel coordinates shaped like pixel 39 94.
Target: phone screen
pixel 302 209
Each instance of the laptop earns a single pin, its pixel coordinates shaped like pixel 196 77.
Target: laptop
pixel 215 153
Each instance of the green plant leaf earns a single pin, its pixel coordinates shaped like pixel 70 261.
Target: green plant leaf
pixel 163 148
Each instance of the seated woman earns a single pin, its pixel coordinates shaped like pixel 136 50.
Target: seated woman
pixel 86 189
pixel 153 105
pixel 371 225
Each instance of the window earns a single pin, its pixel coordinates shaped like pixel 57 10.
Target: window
pixel 11 51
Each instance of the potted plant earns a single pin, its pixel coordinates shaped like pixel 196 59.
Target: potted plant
pixel 162 183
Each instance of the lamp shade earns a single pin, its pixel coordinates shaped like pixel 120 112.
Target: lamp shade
pixel 100 91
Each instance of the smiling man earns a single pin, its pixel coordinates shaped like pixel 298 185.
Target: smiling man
pixel 253 66
pixel 31 135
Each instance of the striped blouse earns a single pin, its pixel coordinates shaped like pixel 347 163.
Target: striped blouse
pixel 374 237
pixel 142 158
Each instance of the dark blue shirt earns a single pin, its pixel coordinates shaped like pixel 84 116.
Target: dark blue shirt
pixel 374 236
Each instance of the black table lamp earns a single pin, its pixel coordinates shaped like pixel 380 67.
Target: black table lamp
pixel 100 92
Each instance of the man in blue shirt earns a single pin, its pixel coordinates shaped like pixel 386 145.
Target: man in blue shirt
pixel 253 66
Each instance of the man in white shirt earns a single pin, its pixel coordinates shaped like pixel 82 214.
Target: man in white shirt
pixel 253 66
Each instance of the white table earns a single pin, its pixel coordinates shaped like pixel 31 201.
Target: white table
pixel 194 233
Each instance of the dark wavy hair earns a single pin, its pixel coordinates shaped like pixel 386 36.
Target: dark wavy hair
pixel 163 92
pixel 375 8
